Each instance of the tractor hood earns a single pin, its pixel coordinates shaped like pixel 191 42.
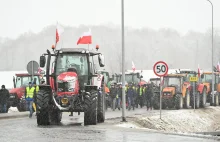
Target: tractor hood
pixel 67 84
pixel 16 90
pixel 67 76
pixel 169 89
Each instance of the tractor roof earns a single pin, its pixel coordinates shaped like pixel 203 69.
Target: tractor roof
pixel 79 50
pixel 175 75
pixel 187 71
pixel 209 72
pixel 25 74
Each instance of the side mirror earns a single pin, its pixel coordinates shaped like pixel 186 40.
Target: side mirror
pixel 42 61
pixel 101 60
pixel 202 76
pixel 14 82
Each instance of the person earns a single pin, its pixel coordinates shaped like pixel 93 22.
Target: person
pixel 4 96
pixel 113 93
pixel 30 93
pixel 140 95
pixel 149 95
pixel 36 90
pixel 119 96
pixel 130 95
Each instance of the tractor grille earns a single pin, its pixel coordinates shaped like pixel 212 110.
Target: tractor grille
pixel 65 87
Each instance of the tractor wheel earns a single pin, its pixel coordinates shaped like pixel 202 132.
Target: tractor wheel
pixel 204 98
pixel 216 99
pixel 42 106
pixel 101 107
pixel 156 101
pixel 55 116
pixel 90 113
pixel 197 100
pixel 178 101
pixel 187 99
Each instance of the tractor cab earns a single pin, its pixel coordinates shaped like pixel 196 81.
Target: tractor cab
pixel 131 77
pixel 156 81
pixel 206 79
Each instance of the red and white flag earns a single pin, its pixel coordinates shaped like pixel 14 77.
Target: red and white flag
pixel 133 66
pixel 199 72
pixel 59 31
pixel 86 38
pixel 218 67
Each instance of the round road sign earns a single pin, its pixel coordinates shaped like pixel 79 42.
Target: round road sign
pixel 160 68
pixel 32 67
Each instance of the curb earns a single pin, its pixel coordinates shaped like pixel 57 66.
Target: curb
pixel 13 115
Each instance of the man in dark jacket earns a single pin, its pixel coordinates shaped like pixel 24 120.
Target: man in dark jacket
pixel 130 95
pixel 4 96
pixel 113 93
pixel 119 96
pixel 149 95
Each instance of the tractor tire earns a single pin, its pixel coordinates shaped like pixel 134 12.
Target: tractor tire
pixel 156 101
pixel 55 116
pixel 22 107
pixel 42 106
pixel 178 101
pixel 216 99
pixel 204 98
pixel 101 108
pixel 197 100
pixel 90 113
pixel 187 100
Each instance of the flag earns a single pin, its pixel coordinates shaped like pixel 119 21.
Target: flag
pixel 86 38
pixel 133 66
pixel 59 31
pixel 218 67
pixel 199 72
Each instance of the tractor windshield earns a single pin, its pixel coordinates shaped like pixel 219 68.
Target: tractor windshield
pixel 156 81
pixel 23 81
pixel 207 78
pixel 172 81
pixel 130 78
pixel 68 60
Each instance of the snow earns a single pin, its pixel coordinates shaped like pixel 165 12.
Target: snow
pixel 183 121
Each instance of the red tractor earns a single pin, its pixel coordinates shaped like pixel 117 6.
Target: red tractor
pixel 73 86
pixel 17 98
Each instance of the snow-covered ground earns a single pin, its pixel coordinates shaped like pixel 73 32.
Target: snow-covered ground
pixel 182 121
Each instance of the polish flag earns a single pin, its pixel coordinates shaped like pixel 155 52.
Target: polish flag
pixel 133 66
pixel 199 72
pixel 218 67
pixel 59 31
pixel 86 38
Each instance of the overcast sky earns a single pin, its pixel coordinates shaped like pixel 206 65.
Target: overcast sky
pixel 19 16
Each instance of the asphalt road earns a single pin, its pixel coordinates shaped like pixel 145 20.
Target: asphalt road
pixel 72 129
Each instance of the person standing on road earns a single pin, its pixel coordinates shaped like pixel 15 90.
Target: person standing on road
pixel 4 96
pixel 149 95
pixel 119 96
pixel 36 90
pixel 140 95
pixel 30 93
pixel 113 93
pixel 130 94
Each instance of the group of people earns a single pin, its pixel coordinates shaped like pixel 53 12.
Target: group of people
pixel 136 95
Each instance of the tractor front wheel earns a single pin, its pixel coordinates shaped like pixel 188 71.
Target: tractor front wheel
pixel 178 101
pixel 101 107
pixel 204 98
pixel 90 113
pixel 42 106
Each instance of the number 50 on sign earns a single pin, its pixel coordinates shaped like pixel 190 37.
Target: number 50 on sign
pixel 160 68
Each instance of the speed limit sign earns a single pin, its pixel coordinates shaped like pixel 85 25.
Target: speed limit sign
pixel 160 68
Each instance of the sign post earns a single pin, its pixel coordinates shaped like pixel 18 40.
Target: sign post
pixel 194 80
pixel 160 69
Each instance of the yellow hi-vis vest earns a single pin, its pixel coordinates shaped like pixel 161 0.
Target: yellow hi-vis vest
pixel 141 91
pixel 30 92
pixel 37 89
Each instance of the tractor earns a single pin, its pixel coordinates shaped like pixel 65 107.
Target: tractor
pixel 200 94
pixel 73 86
pixel 206 79
pixel 17 98
pixel 175 92
pixel 131 77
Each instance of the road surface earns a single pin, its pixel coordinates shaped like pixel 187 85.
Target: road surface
pixel 72 129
